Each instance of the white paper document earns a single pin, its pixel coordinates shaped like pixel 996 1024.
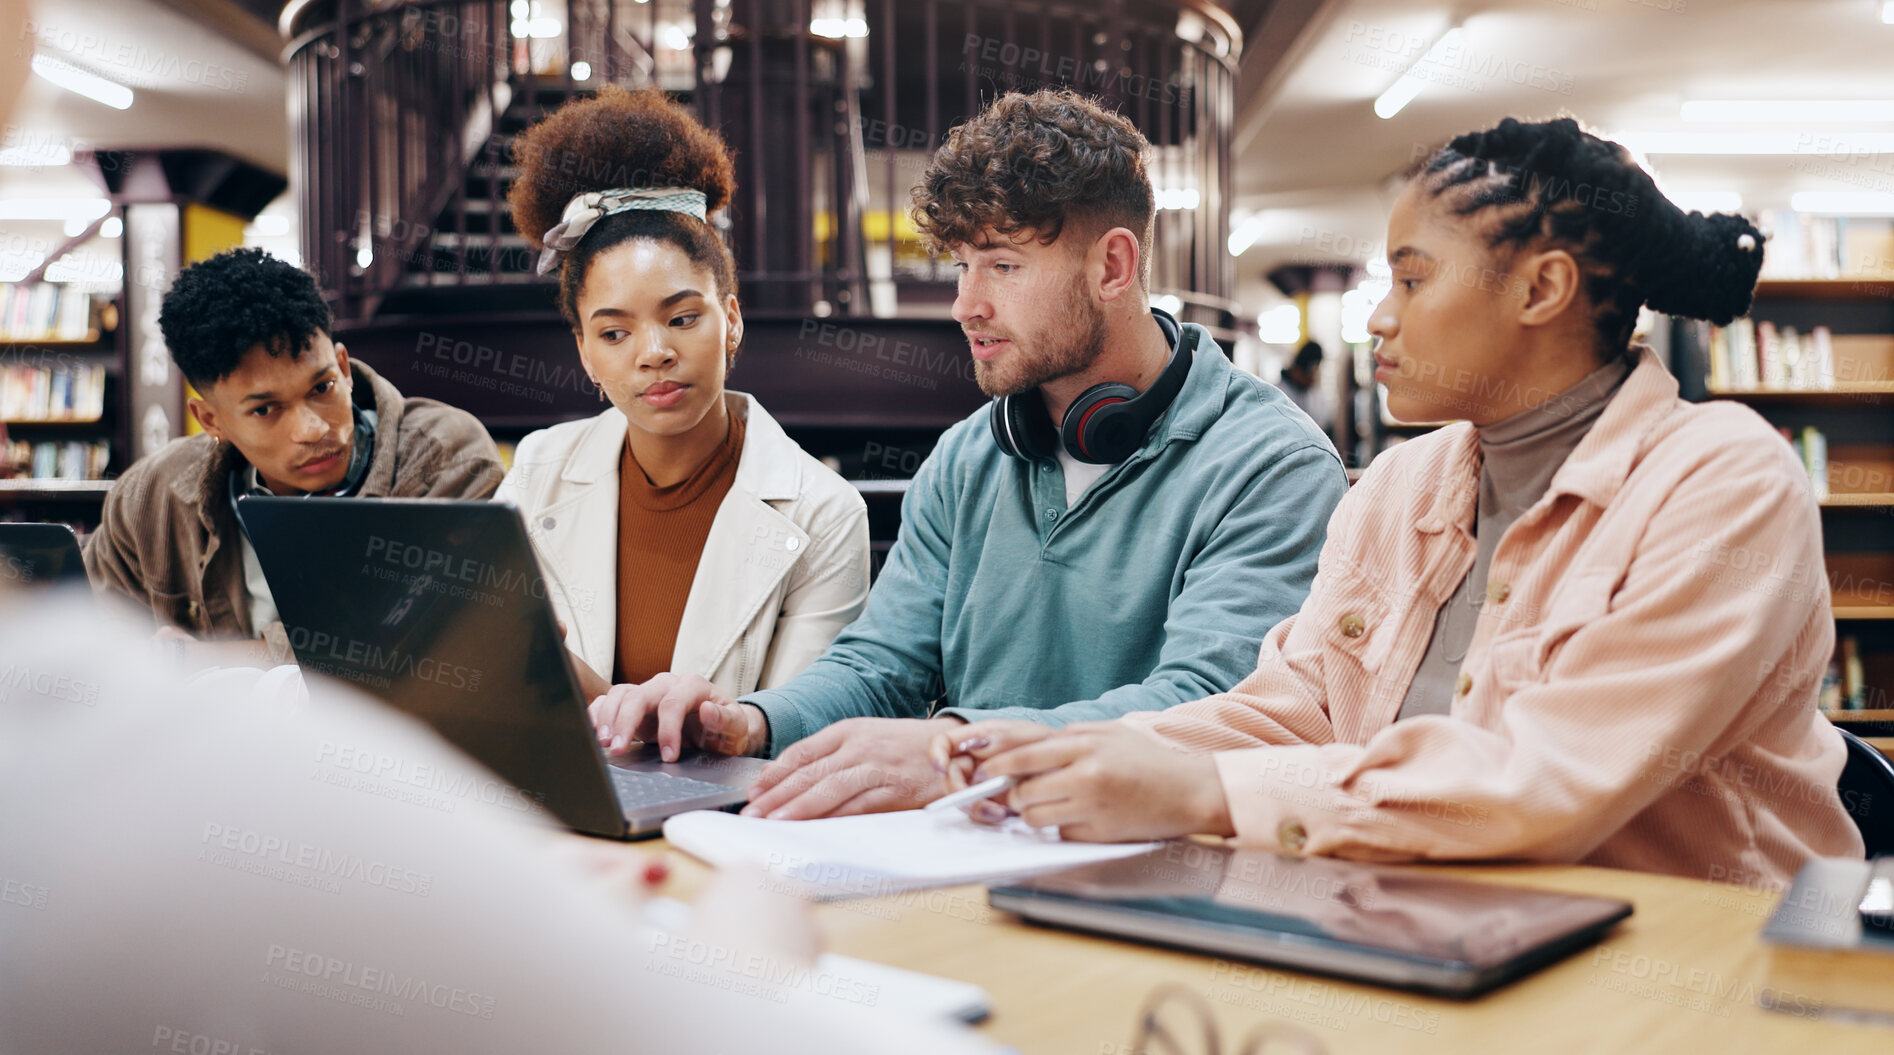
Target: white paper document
pixel 883 853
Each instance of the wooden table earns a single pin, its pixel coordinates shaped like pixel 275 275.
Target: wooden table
pixel 1681 975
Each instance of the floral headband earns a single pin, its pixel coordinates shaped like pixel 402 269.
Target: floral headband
pixel 591 207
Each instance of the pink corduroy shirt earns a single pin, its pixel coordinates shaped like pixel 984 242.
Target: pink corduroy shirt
pixel 1639 692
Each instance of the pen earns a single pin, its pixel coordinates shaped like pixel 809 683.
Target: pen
pixel 986 789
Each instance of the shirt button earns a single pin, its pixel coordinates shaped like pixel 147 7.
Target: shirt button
pixel 1498 592
pixel 548 523
pixel 1052 514
pixel 792 544
pixel 1352 625
pixel 1463 684
pixel 1292 836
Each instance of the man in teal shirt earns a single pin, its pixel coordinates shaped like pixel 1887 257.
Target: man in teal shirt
pixel 1058 581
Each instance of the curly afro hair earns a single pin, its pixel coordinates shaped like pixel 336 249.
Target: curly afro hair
pixel 1553 183
pixel 1036 162
pixel 617 139
pixel 220 308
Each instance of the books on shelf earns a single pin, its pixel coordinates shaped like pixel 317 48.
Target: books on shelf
pixel 1747 355
pixel 61 392
pixel 1811 449
pixel 44 311
pixel 1803 246
pixel 55 459
pixel 1845 684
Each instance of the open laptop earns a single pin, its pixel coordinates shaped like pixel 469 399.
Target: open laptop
pixel 1410 928
pixel 40 555
pixel 439 608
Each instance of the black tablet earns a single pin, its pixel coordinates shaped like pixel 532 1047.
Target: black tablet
pixel 1410 928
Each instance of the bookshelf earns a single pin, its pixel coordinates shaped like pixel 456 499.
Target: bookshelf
pixel 63 433
pixel 1844 395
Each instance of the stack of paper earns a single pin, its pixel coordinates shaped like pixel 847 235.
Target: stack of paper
pixel 883 853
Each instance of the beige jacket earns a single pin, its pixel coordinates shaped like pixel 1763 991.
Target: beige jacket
pixel 784 569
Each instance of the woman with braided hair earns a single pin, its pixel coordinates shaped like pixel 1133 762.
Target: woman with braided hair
pixel 682 532
pixel 1586 623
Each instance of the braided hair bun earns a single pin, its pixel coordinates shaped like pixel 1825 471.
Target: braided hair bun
pixel 1553 182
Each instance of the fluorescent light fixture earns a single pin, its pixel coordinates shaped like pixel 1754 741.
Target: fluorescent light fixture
pixel 582 70
pixel 1281 324
pixel 113 227
pixel 1404 90
pixel 1790 111
pixel 1752 143
pixel 83 82
pixel 40 156
pixel 87 209
pixel 1843 202
pixel 1246 233
pixel 1177 198
pixel 1707 201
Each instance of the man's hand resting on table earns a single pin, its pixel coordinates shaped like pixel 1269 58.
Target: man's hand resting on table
pixel 673 710
pixel 858 765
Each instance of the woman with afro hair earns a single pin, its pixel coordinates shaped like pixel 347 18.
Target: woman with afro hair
pixel 681 530
pixel 1586 623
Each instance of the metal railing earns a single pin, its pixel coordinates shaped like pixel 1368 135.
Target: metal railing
pixel 403 113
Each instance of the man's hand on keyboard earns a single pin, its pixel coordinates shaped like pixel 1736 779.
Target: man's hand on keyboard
pixel 672 710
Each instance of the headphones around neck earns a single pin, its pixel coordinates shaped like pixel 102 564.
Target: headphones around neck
pixel 1105 424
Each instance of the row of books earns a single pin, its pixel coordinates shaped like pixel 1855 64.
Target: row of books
pixel 1845 686
pixel 63 392
pixel 44 311
pixel 1802 245
pixel 55 460
pixel 1748 355
pixel 1811 449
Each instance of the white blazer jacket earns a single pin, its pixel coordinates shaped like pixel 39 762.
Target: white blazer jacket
pixel 784 569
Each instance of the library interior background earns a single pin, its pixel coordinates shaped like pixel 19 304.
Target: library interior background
pixel 369 142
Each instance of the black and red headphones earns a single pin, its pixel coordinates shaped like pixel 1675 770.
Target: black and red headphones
pixel 1106 423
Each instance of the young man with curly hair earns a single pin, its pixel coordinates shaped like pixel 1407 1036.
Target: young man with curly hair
pixel 285 411
pixel 1067 554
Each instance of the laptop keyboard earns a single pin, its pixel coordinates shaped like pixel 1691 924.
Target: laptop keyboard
pixel 637 789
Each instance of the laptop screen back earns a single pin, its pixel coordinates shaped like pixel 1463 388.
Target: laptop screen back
pixel 438 608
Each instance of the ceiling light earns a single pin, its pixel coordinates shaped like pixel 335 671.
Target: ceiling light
pixel 87 209
pixel 1411 82
pixel 837 28
pixel 1843 202
pixel 676 39
pixel 83 82
pixel 1177 198
pixel 1281 324
pixel 1790 111
pixel 1707 201
pixel 1855 143
pixel 581 70
pixel 1245 234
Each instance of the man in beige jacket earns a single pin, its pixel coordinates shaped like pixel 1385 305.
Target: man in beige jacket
pixel 285 412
